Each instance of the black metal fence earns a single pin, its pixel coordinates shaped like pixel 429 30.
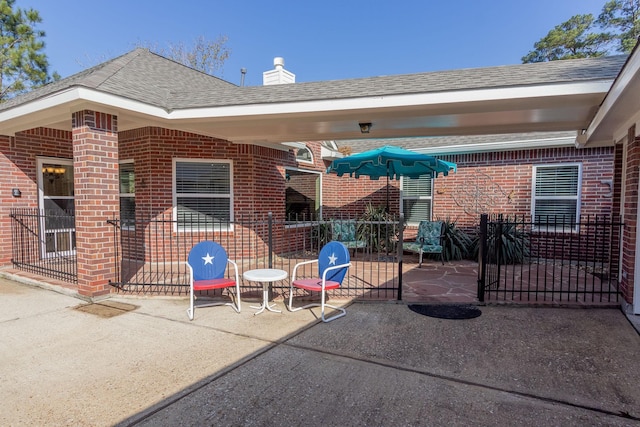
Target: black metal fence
pixel 43 242
pixel 150 254
pixel 555 260
pixel 549 260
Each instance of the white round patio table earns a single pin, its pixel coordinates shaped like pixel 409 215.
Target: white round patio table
pixel 265 276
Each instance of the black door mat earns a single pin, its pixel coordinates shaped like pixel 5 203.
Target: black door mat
pixel 446 311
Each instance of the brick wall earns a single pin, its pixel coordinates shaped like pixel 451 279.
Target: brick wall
pixel 257 171
pixel 501 182
pixel 18 163
pixel 495 182
pixel 258 177
pixel 631 180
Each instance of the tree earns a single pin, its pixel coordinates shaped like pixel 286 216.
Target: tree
pixel 205 55
pixel 23 65
pixel 582 37
pixel 623 16
pixel 571 39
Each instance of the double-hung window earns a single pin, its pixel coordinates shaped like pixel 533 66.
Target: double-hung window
pixel 127 178
pixel 556 195
pixel 417 199
pixel 203 193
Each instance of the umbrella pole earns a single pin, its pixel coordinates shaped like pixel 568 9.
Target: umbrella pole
pixel 387 193
pixel 387 211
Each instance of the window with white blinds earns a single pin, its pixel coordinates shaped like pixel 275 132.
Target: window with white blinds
pixel 127 179
pixel 556 193
pixel 417 199
pixel 202 193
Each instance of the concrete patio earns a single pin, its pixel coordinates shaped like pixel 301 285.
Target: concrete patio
pixel 140 361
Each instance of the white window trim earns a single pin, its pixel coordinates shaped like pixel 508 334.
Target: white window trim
pixel 402 198
pixel 307 162
pixel 577 197
pixel 174 194
pixel 319 193
pixel 121 195
pixel 40 161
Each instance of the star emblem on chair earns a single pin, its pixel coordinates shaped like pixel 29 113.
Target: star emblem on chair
pixel 208 259
pixel 332 259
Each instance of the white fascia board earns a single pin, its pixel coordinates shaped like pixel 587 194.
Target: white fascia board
pixel 79 96
pixel 396 101
pixel 117 104
pixel 37 106
pixel 623 130
pixel 530 144
pixel 618 89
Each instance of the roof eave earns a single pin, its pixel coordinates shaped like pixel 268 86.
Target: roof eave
pixel 412 114
pixel 57 108
pixel 619 110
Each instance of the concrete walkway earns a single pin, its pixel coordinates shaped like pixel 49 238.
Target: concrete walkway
pixel 142 362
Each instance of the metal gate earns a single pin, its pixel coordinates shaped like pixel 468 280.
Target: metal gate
pixel 550 260
pixel 35 249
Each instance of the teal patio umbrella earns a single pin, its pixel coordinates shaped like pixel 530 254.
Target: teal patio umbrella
pixel 391 162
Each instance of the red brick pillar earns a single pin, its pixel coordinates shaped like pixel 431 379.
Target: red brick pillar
pixel 630 232
pixel 95 167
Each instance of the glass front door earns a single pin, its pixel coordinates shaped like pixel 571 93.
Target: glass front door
pixel 57 205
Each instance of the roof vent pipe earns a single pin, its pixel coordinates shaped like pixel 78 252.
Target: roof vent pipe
pixel 243 72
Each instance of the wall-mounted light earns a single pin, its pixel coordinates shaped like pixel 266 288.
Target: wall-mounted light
pixel 15 192
pixel 365 127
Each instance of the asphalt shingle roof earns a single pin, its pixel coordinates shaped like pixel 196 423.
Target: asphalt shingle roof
pixel 566 71
pixel 149 78
pixel 139 75
pixel 417 143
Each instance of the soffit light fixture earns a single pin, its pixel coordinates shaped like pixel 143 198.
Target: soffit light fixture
pixel 365 127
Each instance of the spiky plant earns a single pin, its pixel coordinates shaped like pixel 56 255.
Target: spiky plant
pixel 507 243
pixel 456 243
pixel 377 228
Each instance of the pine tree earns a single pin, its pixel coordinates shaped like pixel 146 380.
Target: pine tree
pixel 622 16
pixel 23 65
pixel 569 40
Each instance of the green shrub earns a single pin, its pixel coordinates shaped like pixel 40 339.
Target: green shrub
pixel 456 243
pixel 377 228
pixel 514 245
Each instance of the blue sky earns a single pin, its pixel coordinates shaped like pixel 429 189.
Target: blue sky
pixel 319 40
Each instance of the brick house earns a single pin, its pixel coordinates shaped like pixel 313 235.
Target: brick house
pixel 140 128
pixel 496 174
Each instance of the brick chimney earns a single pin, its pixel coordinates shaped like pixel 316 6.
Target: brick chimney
pixel 279 75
